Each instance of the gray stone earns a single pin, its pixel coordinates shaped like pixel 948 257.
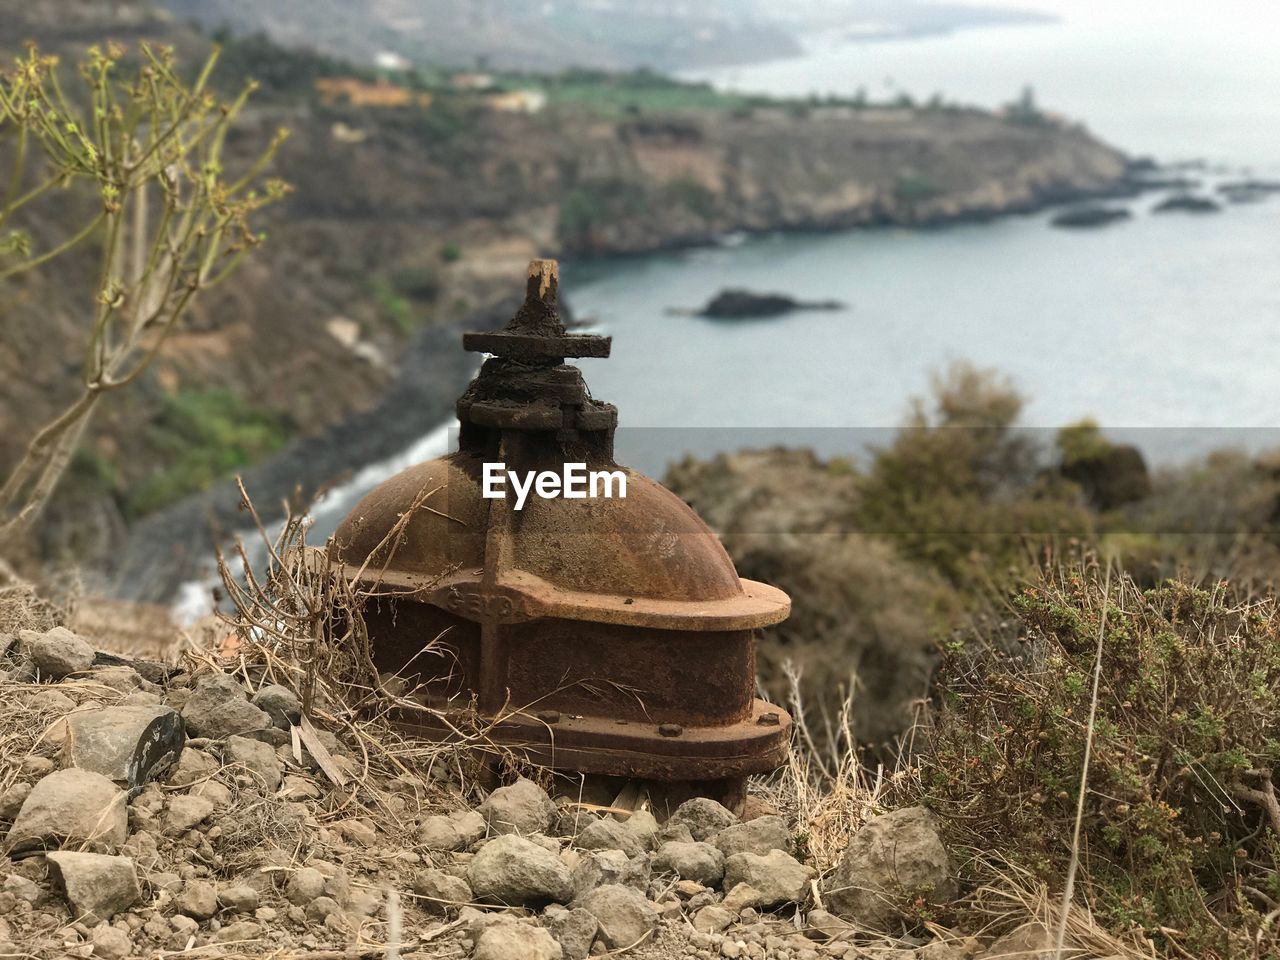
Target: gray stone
pixel 256 757
pixel 218 794
pixel 440 890
pixel 128 744
pixel 523 808
pixel 110 943
pixel 472 827
pixel 304 885
pixel 603 867
pixel 822 925
pixel 759 836
pixel 626 918
pixel 238 898
pixel 242 931
pixel 609 834
pixel 1033 941
pixel 712 919
pixel 96 886
pixel 893 858
pixel 185 813
pixel 704 818
pixel 513 940
pixel 13 799
pixel 21 887
pixel 122 679
pixel 439 834
pixel 51 701
pixel 642 825
pixel 197 899
pixel 778 877
pixel 218 708
pixel 691 861
pixel 193 766
pixel 741 897
pixel 57 653
pixel 279 703
pixel 71 807
pixel 322 907
pixel 518 872
pixel 575 930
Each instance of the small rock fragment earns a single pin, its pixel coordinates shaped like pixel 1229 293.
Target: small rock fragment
pixel 71 806
pixel 57 653
pixel 514 940
pixel 441 890
pixel 518 872
pixel 691 861
pixel 703 817
pixel 603 867
pixel 304 885
pixel 96 886
pixel 609 834
pixel 185 813
pixel 256 757
pixel 523 808
pixel 759 836
pixel 893 858
pixel 280 704
pixel 575 930
pixel 110 943
pixel 778 877
pixel 238 898
pixel 218 708
pixel 197 899
pixel 712 919
pixel 626 918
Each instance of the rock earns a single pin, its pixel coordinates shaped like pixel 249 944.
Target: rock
pixel 357 831
pixel 778 876
pixel 215 792
pixel 193 765
pixel 609 834
pixel 472 827
pixel 643 827
pixel 738 304
pixel 131 744
pixel 517 872
pixel 121 679
pixel 11 800
pixel 603 867
pixel 197 899
pixel 304 885
pixel 439 834
pixel 242 931
pixel 71 806
pixel 626 918
pixel 712 919
pixel 759 836
pixel 96 886
pixel 1033 941
pixel 36 767
pixel 51 701
pixel 322 907
pixel 1187 203
pixel 704 818
pixel 280 704
pixel 110 943
pixel 218 708
pixel 821 925
pixel 1090 215
pixel 238 898
pixel 894 857
pixel 441 890
pixel 691 861
pixel 575 930
pixel 523 808
pixel 957 950
pixel 21 887
pixel 257 758
pixel 514 940
pixel 742 897
pixel 185 813
pixel 57 653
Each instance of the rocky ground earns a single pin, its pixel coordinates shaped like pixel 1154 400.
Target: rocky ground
pixel 150 810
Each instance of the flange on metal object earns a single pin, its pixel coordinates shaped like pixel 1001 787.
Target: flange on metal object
pixel 610 636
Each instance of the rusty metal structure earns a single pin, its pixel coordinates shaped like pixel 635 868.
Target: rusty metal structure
pixel 608 636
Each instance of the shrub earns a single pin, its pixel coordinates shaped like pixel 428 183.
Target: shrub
pixel 1181 825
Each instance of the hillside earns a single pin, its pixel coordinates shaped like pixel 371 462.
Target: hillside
pixel 408 221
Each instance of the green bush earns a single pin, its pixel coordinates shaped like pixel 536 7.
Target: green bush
pixel 1176 835
pixel 203 435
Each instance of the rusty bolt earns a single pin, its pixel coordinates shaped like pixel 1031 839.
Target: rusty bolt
pixel 549 716
pixel 768 720
pixel 671 729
